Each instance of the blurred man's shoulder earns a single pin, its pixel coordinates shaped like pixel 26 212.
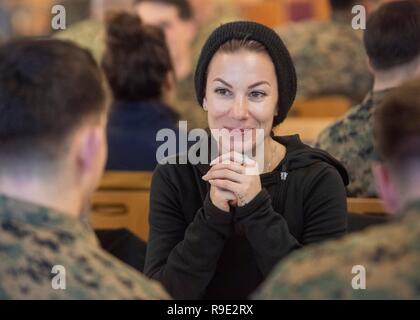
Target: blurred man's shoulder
pixel 384 257
pixel 46 255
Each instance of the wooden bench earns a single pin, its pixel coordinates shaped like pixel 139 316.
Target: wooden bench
pixel 372 206
pixel 122 201
pixel 332 106
pixel 365 213
pixel 307 128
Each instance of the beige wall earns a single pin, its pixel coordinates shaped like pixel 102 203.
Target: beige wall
pixel 33 17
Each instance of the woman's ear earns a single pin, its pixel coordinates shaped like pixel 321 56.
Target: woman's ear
pixel 385 187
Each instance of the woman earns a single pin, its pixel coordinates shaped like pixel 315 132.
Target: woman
pixel 216 232
pixel 139 69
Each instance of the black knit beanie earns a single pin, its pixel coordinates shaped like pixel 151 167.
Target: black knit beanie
pixel 245 30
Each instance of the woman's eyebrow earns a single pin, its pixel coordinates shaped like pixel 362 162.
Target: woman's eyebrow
pixel 224 82
pixel 250 87
pixel 258 84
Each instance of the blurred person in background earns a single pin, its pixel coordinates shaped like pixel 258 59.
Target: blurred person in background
pixel 208 15
pixel 89 33
pixel 53 112
pixel 389 254
pixel 372 5
pixel 329 55
pixel 176 19
pixel 5 26
pixel 139 69
pixel 392 43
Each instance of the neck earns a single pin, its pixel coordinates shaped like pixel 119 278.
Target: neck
pixel 411 197
pixel 274 153
pixel 43 192
pixel 395 77
pixel 411 190
pixel 403 185
pixel 183 68
pixel 386 82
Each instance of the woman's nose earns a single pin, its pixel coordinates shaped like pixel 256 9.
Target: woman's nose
pixel 240 109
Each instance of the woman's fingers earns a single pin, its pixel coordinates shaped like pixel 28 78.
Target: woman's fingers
pixel 231 171
pixel 230 166
pixel 228 157
pixel 227 195
pixel 232 156
pixel 225 185
pixel 222 198
pixel 223 174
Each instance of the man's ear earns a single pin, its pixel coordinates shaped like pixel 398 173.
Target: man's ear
pixel 89 144
pixel 370 66
pixel 385 187
pixel 417 70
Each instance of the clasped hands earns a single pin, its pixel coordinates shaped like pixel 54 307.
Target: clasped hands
pixel 234 180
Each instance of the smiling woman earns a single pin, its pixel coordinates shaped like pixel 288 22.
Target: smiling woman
pixel 216 231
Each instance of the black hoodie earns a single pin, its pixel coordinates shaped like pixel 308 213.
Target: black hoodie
pixel 198 251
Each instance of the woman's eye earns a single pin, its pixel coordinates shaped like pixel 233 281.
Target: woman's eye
pixel 257 94
pixel 223 92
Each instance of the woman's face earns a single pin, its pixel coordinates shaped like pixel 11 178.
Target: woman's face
pixel 241 93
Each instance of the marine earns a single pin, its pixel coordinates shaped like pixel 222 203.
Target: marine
pixel 52 156
pixel 381 262
pixel 393 53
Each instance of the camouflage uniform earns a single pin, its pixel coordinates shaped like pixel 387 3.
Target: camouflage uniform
pixel 390 255
pixel 350 140
pixel 329 58
pixel 89 34
pixel 33 239
pixel 187 106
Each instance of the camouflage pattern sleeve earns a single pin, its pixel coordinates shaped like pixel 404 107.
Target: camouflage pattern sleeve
pixel 350 140
pixel 380 263
pixel 329 58
pixel 45 255
pixel 89 34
